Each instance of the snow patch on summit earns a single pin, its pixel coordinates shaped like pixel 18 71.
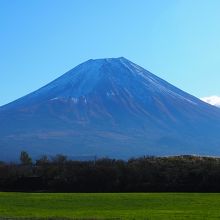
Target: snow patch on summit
pixel 152 82
pixel 110 93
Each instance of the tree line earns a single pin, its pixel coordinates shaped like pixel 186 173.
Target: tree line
pixel 145 174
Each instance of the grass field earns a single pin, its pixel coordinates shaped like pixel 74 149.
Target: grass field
pixel 161 206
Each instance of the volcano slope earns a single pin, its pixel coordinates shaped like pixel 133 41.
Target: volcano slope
pixel 109 107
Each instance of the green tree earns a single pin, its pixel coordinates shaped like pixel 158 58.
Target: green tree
pixel 25 159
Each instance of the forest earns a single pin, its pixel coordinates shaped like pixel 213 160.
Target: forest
pixel 146 174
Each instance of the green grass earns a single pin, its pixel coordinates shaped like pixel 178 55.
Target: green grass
pixel 152 206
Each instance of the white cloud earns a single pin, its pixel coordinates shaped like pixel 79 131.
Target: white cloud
pixel 213 100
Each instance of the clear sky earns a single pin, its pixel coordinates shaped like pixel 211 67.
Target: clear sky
pixel 178 40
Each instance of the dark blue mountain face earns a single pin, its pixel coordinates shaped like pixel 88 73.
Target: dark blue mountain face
pixel 109 107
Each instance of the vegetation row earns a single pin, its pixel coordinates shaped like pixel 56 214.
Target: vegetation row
pixel 146 174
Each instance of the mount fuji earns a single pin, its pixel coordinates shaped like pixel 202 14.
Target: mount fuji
pixel 109 108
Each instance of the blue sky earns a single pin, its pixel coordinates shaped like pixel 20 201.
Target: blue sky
pixel 178 40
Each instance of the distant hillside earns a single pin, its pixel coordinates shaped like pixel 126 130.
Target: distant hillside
pixel 109 107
